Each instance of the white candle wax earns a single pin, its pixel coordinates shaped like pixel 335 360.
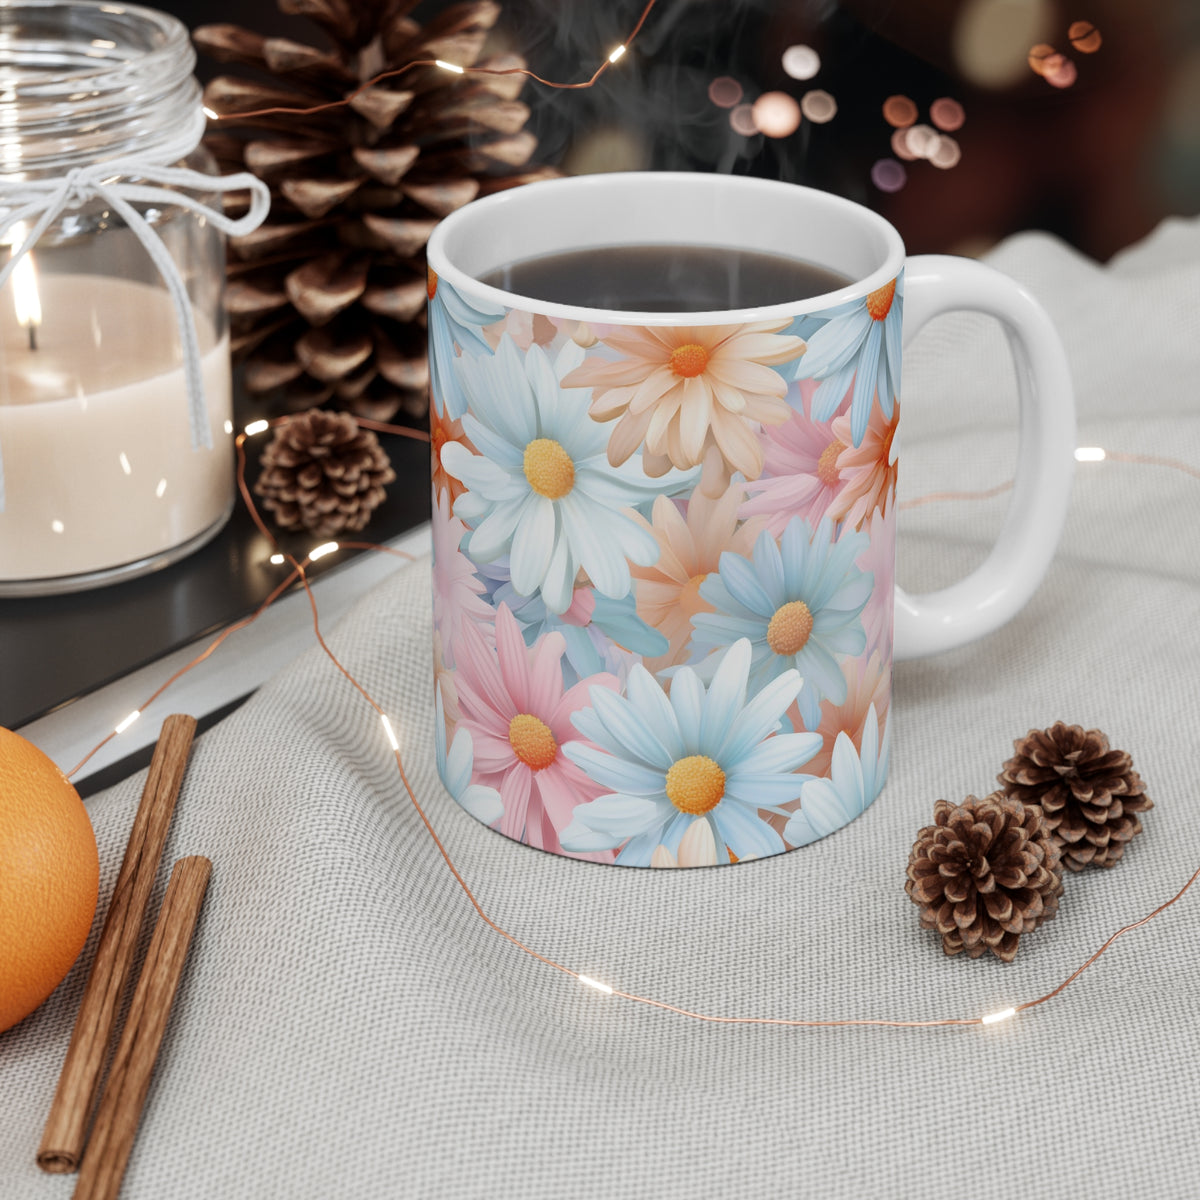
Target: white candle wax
pixel 94 433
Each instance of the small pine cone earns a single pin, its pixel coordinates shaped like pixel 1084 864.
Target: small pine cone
pixel 322 473
pixel 985 872
pixel 1090 795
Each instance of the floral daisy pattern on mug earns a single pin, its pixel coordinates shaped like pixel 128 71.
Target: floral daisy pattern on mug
pixel 663 576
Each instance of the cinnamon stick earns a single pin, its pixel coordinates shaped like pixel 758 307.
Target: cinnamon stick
pixel 66 1126
pixel 120 1108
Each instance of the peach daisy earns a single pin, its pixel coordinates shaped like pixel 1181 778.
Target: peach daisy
pixel 692 394
pixel 866 684
pixel 690 547
pixel 868 469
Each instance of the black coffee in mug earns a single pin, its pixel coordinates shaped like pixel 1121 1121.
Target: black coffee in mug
pixel 680 278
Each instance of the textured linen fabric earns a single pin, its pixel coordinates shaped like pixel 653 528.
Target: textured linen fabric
pixel 347 1026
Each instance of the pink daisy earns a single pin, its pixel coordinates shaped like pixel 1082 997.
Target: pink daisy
pixel 802 458
pixel 868 470
pixel 513 703
pixel 457 590
pixel 866 684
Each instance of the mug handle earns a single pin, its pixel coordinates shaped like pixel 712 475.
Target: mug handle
pixel 1000 587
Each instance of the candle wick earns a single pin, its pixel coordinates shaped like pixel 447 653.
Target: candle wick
pixel 32 327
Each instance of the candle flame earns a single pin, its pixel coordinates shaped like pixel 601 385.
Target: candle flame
pixel 26 299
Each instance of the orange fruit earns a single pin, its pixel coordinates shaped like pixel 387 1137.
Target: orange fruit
pixel 49 877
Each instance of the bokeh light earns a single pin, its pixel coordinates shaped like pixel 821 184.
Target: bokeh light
pixel 608 149
pixel 742 119
pixel 801 62
pixel 818 106
pixel 946 153
pixel 1038 55
pixel 947 114
pixel 1059 71
pixel 888 175
pixel 921 140
pixel 991 38
pixel 1085 37
pixel 776 114
pixel 725 91
pixel 900 145
pixel 899 111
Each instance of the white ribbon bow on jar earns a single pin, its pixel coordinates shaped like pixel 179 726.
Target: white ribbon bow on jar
pixel 121 183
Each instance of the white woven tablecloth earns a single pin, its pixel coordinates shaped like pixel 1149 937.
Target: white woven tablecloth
pixel 347 1027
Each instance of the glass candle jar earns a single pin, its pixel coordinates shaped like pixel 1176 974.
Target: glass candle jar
pixel 115 462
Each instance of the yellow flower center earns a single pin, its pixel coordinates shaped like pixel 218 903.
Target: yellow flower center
pixel 532 741
pixel 695 784
pixel 879 302
pixel 430 282
pixel 689 360
pixel 549 468
pixel 790 628
pixel 827 468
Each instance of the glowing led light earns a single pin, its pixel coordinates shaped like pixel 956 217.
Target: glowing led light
pixel 1059 71
pixel 57 526
pixel 257 427
pixel 947 114
pixel 160 488
pixel 125 463
pixel 208 112
pixel 921 140
pixel 946 153
pixel 1085 37
pixel 391 733
pixel 617 52
pixel 320 551
pixel 276 559
pixel 449 66
pixel 725 91
pixel 776 114
pixel 1002 1015
pixel 129 720
pixel 900 145
pixel 228 426
pixel 1090 454
pixel 588 981
pixel 818 106
pixel 1038 55
pixel 899 111
pixel 888 175
pixel 742 120
pixel 801 62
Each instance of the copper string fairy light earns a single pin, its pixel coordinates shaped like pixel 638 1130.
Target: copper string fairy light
pixel 1083 454
pixel 614 56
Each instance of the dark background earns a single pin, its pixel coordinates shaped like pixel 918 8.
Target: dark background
pixel 1099 163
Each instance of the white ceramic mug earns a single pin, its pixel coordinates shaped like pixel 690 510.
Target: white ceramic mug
pixel 664 542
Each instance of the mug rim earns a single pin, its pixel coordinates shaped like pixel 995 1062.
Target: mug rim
pixel 511 199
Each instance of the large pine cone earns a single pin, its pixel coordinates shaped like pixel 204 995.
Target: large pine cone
pixel 322 473
pixel 1089 793
pixel 327 298
pixel 984 873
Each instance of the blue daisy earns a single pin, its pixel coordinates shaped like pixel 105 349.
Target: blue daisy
pixel 453 322
pixel 799 602
pixel 856 778
pixel 861 343
pixel 455 767
pixel 701 753
pixel 541 488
